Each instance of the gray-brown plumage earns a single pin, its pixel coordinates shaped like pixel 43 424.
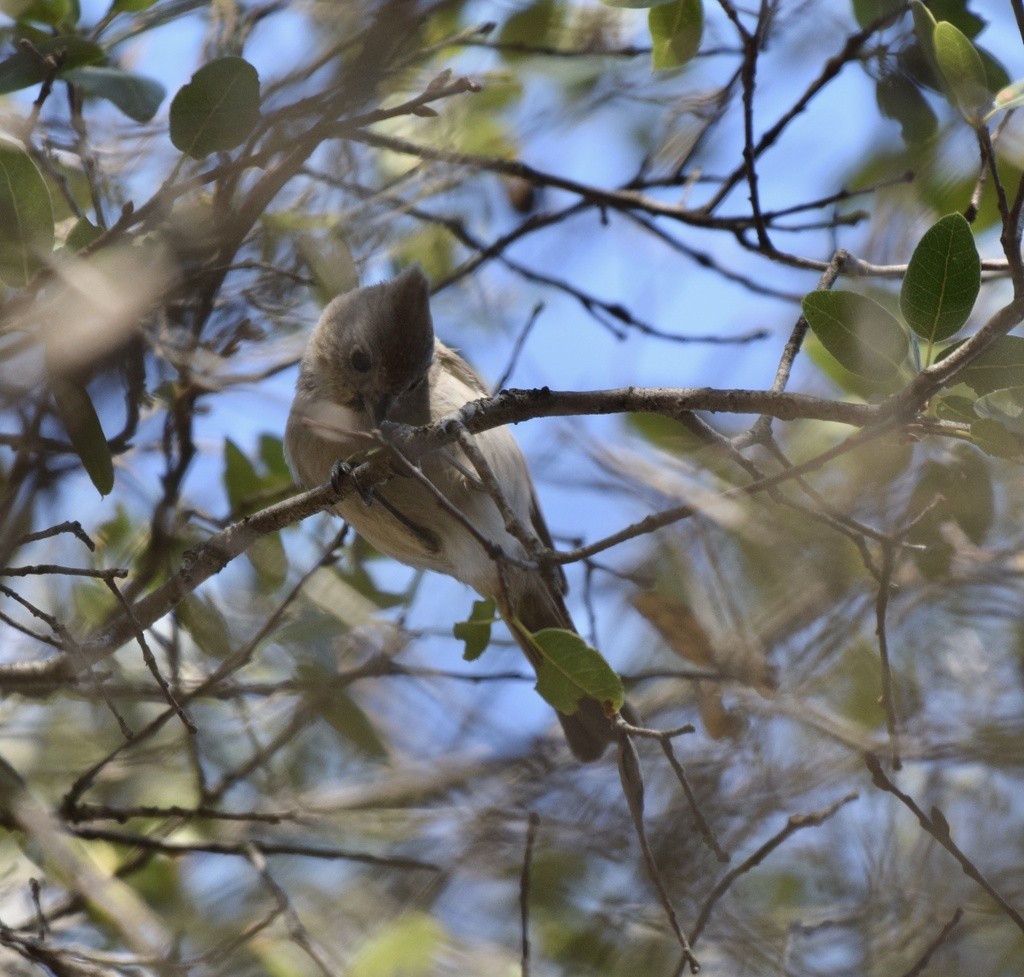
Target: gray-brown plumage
pixel 373 357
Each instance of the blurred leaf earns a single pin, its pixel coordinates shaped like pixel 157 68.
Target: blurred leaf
pixel 858 332
pixel 271 449
pixel 678 625
pixel 131 6
pixel 956 12
pixel 954 407
pixel 868 11
pixel 719 722
pixel 1004 406
pixel 962 68
pixel 78 415
pixel 1008 98
pixel 403 947
pixel 476 630
pixel 217 109
pixel 329 591
pixel 924 29
pixel 361 581
pixel 855 682
pixel 268 558
pixel 199 616
pixel 50 12
pixel 995 440
pixel 533 25
pixel 996 76
pixel 340 711
pixel 665 433
pixel 26 216
pixel 25 68
pixel 330 262
pixel 430 247
pixel 942 280
pixel 899 99
pixel 82 235
pixel 635 4
pixel 240 479
pixel 570 669
pixel 958 490
pixel 135 95
pixel 676 31
pixel 998 367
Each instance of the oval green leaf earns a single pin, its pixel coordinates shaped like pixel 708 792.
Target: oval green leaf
pixel 1010 97
pixel 858 332
pixel 50 12
pixel 217 109
pixel 77 414
pixel 999 367
pixel 963 70
pixel 25 68
pixel 476 631
pixel 899 99
pixel 635 4
pixel 135 95
pixel 570 670
pixel 942 280
pixel 26 216
pixel 924 27
pixel 676 31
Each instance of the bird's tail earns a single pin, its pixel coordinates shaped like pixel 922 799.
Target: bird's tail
pixel 588 730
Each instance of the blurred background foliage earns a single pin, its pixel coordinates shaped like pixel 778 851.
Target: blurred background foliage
pixel 187 183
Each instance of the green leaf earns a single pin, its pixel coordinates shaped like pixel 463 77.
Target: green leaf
pixel 82 235
pixel 858 332
pixel 241 482
pixel 956 12
pixel 570 670
pixel 217 109
pixel 50 12
pixel 476 631
pixel 999 367
pixel 341 712
pixel 200 617
pixel 26 216
pixel 1005 406
pixel 131 6
pixel 534 25
pixel 924 28
pixel 1010 97
pixel 406 946
pixel 868 11
pixel 942 280
pixel 676 31
pixel 963 70
pixel 996 76
pixel 635 4
pixel 78 415
pixel 135 95
pixel 26 68
pixel 994 439
pixel 899 99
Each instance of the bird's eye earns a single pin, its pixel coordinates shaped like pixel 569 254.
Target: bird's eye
pixel 360 360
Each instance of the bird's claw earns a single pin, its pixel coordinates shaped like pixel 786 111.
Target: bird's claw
pixel 343 471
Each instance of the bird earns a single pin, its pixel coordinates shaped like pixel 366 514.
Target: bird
pixel 373 358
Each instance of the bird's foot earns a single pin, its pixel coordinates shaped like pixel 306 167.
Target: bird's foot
pixel 342 472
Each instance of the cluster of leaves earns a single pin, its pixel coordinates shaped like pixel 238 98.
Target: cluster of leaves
pixel 214 112
pixel 294 689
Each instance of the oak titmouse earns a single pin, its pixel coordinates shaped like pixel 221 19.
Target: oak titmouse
pixel 373 357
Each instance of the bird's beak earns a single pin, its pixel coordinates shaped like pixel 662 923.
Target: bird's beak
pixel 378 409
